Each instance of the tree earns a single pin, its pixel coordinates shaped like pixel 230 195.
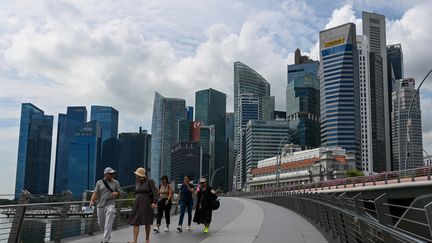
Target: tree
pixel 354 173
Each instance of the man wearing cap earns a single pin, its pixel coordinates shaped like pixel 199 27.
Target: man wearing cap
pixel 106 191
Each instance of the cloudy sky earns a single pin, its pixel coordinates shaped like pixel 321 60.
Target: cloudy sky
pixel 118 53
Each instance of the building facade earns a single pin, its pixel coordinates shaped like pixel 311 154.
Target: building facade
pixel 374 28
pixel 167 112
pixel 303 103
pixel 301 167
pixel 210 109
pixel 339 89
pixel 84 155
pixel 264 140
pixel 229 137
pixel 107 117
pixel 67 123
pixel 185 160
pixel 34 151
pixel 413 144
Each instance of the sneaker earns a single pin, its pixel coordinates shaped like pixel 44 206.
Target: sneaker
pixel 179 229
pixel 166 229
pixel 206 230
pixel 156 230
pixel 188 228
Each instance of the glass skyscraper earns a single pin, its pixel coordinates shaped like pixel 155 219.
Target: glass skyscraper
pixel 67 125
pixel 248 81
pixel 34 151
pixel 166 114
pixel 107 117
pixel 339 89
pixel 84 155
pixel 303 104
pixel 210 108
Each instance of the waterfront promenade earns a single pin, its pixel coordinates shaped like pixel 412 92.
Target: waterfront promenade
pixel 237 220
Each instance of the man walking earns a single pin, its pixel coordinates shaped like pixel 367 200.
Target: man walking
pixel 106 191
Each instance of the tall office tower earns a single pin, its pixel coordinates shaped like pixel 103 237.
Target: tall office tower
pixel 84 155
pixel 263 140
pixel 67 123
pixel 413 144
pixel 189 113
pixel 134 152
pixel 395 69
pixel 210 108
pixel 374 28
pixel 303 103
pixel 299 59
pixel 167 112
pixel 229 137
pixel 365 105
pixel 339 86
pixel 185 161
pixel 34 151
pixel 107 117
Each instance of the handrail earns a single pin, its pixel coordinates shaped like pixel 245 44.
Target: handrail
pixel 56 203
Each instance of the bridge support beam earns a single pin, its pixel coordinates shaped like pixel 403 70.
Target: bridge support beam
pixel 17 223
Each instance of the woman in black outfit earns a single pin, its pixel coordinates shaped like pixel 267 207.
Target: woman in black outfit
pixel 203 212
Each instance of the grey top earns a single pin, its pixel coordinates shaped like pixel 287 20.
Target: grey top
pixel 104 194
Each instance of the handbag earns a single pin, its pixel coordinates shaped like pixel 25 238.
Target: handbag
pixel 215 203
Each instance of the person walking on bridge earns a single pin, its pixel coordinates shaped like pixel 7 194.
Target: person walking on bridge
pixel 164 204
pixel 203 212
pixel 146 196
pixel 185 201
pixel 106 191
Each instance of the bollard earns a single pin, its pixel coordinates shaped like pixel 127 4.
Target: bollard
pixel 63 216
pixel 17 223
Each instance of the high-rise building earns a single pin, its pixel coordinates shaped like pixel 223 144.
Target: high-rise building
pixel 107 117
pixel 365 105
pixel 280 115
pixel 134 152
pixel 229 137
pixel 374 28
pixel 84 155
pixel 210 108
pixel 67 124
pixel 185 160
pixel 339 86
pixel 299 59
pixel 167 112
pixel 403 146
pixel 263 140
pixel 303 103
pixel 34 151
pixel 395 70
pixel 189 113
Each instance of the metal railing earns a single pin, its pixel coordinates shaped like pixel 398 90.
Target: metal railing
pixel 54 221
pixel 384 178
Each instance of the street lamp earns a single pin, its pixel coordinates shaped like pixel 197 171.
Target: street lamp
pixel 409 118
pixel 214 173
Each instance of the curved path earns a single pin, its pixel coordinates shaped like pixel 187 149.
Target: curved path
pixel 237 220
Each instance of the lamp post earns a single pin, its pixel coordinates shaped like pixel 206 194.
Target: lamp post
pixel 409 118
pixel 214 173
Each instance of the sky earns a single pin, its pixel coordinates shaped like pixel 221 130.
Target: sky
pixel 56 53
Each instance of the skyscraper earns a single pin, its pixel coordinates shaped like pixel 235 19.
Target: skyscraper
pixel 107 117
pixel 134 152
pixel 185 161
pixel 210 108
pixel 166 114
pixel 303 103
pixel 84 155
pixel 374 28
pixel 395 70
pixel 67 124
pixel 339 89
pixel 229 136
pixel 34 150
pixel 413 145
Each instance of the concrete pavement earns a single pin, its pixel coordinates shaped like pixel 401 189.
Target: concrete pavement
pixel 237 220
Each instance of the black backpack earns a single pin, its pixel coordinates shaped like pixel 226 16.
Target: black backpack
pixel 215 203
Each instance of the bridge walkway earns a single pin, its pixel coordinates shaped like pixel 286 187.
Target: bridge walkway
pixel 237 220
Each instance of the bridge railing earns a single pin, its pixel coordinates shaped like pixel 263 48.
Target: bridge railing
pixel 54 221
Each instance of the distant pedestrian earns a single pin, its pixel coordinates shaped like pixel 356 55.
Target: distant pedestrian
pixel 185 201
pixel 146 195
pixel 106 191
pixel 203 211
pixel 164 204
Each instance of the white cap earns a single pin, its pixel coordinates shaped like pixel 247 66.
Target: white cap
pixel 108 170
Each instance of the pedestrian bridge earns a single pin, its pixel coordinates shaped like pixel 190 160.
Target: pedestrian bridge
pixel 237 220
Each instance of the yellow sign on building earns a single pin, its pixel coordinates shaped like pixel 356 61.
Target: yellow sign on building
pixel 334 42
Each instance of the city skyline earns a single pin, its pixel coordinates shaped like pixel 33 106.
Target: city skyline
pixel 135 117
